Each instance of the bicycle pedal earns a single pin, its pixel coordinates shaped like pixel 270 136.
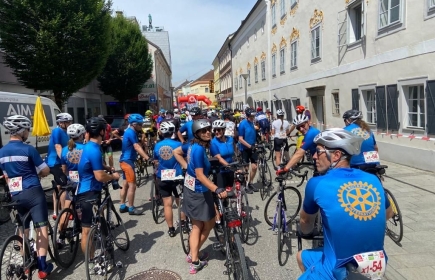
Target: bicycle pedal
pixel 119 264
pixel 217 246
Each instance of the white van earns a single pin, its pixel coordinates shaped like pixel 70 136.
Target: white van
pixel 24 104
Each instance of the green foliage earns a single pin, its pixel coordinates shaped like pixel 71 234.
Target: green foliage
pixel 58 45
pixel 129 64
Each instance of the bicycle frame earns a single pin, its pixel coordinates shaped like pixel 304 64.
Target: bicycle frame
pixel 280 198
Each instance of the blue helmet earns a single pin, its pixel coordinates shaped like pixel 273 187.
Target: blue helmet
pixel 135 118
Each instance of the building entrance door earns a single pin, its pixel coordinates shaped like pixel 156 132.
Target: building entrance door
pixel 317 106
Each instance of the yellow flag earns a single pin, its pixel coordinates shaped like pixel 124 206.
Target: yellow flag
pixel 40 125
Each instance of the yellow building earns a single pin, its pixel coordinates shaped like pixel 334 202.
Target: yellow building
pixel 201 87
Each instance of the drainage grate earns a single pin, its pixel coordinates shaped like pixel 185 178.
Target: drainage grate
pixel 155 274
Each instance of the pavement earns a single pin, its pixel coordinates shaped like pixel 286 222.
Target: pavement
pixel 151 246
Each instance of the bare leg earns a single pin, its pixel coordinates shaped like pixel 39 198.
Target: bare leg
pixel 253 172
pixel 277 158
pixel 194 241
pixel 123 192
pixel 299 259
pixel 205 232
pixel 42 241
pixel 131 193
pixel 167 204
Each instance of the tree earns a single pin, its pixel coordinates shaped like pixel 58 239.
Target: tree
pixel 129 64
pixel 58 45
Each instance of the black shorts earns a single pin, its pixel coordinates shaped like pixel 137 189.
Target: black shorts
pixel 32 200
pixel 106 149
pixel 167 188
pixel 59 177
pixel 277 144
pixel 249 156
pixel 225 179
pixel 86 207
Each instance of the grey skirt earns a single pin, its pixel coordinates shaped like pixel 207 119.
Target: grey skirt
pixel 198 206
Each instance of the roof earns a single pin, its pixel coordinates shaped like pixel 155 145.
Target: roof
pixel 182 84
pixel 225 44
pixel 206 77
pixel 246 19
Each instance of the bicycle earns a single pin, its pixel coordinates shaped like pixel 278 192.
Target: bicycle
pixel 156 200
pixel 99 256
pixel 283 154
pixel 186 227
pixel 265 175
pixel 230 240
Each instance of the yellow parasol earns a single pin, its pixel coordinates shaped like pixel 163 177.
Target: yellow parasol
pixel 40 124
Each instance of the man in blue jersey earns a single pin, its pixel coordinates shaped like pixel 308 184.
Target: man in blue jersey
pixel 130 148
pixel 22 166
pixel 58 140
pixel 263 122
pixel 353 208
pixel 92 174
pixel 196 114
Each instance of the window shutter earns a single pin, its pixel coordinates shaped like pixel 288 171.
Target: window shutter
pixel 392 108
pixel 355 99
pixel 381 108
pixel 430 105
pixel 287 108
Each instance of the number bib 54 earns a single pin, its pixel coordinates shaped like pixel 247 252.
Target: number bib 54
pixel 372 264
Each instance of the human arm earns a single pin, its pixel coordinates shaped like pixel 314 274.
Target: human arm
pixel 140 151
pixel 214 151
pixel 310 209
pixel 115 134
pixel 244 143
pixel 41 167
pixel 100 170
pixel 179 156
pixel 298 155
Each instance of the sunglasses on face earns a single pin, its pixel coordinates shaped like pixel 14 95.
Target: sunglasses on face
pixel 217 130
pixel 320 151
pixel 300 127
pixel 204 130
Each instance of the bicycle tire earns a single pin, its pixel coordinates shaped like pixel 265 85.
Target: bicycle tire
pixel 65 258
pixel 238 258
pixel 97 266
pixel 246 219
pixel 156 205
pixel 267 181
pixel 51 244
pixel 184 235
pixel 13 240
pixel 395 221
pixel 260 178
pixel 117 230
pixel 291 213
pixel 280 234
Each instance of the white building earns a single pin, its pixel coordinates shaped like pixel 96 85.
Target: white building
pixel 331 56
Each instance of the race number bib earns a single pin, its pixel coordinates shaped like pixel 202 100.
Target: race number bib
pixel 189 182
pixel 168 174
pixel 74 176
pixel 371 157
pixel 15 184
pixel 372 264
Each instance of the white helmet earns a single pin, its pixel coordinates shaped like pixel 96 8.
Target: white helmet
pixel 280 112
pixel 219 124
pixel 75 130
pixel 175 110
pixel 209 113
pixel 63 117
pixel 300 119
pixel 338 138
pixel 16 124
pixel 167 127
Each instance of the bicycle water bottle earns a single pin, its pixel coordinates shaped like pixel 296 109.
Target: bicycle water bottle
pixel 79 211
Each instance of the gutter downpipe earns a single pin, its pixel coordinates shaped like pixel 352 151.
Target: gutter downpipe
pixel 268 50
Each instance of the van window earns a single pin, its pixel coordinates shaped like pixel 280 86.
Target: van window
pixel 25 109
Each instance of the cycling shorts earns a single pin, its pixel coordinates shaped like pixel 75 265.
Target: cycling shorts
pixel 106 150
pixel 33 201
pixel 128 173
pixel 59 177
pixel 86 207
pixel 167 188
pixel 278 143
pixel 315 268
pixel 249 156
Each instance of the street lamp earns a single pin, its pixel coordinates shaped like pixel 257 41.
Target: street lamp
pixel 245 76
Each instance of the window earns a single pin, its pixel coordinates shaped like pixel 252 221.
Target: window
pixel 206 90
pixel 273 65
pixel 430 7
pixel 293 3
pixel 282 61
pixel 416 105
pixel 315 43
pixel 356 24
pixel 370 101
pixel 431 4
pixel 241 81
pixel 249 77
pixel 256 73
pixel 389 12
pixel 273 15
pixel 263 70
pixel 294 55
pixel 335 104
pixel 282 8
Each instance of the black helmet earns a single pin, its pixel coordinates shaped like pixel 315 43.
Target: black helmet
pixel 352 114
pixel 195 111
pixel 95 125
pixel 249 112
pixel 198 125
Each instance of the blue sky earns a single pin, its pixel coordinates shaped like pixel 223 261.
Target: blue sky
pixel 197 28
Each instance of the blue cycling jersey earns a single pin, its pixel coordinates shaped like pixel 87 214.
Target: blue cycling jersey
pixel 262 120
pixel 58 137
pixel 368 145
pixel 187 127
pixel 247 130
pixel 18 159
pixel 72 158
pixel 90 161
pixel 197 158
pixel 353 202
pixel 129 154
pixel 308 143
pixel 164 153
pixel 224 149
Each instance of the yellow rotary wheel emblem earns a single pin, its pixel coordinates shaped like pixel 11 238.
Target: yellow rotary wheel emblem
pixel 360 200
pixel 361 133
pixel 166 153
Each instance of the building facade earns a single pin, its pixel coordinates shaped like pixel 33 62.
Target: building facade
pixel 216 80
pixel 225 97
pixel 375 56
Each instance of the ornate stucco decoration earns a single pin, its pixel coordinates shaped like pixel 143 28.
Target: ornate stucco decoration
pixel 316 19
pixel 293 10
pixel 274 49
pixel 255 60
pixel 282 21
pixel 283 43
pixel 263 56
pixel 248 66
pixel 272 2
pixel 241 70
pixel 294 35
pixel 274 30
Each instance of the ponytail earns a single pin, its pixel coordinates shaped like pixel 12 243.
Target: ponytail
pixel 71 144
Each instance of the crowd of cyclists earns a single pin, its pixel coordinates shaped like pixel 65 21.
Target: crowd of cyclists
pixel 182 143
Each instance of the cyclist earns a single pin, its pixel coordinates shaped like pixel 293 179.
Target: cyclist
pixel 130 149
pixel 299 111
pixel 263 123
pixel 92 175
pixel 195 114
pixel 368 157
pixel 22 166
pixel 168 168
pixel 350 201
pixel 301 122
pixel 105 145
pixel 230 126
pixel 247 139
pixel 118 133
pixel 176 113
pixel 170 118
pixel 280 130
pixel 58 140
pixel 149 129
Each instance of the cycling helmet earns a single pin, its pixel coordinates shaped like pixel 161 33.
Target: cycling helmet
pixel 16 124
pixel 167 128
pixel 249 112
pixel 182 116
pixel 338 138
pixel 353 115
pixel 209 113
pixel 63 117
pixel 259 109
pixel 195 111
pixel 95 125
pixel 300 119
pixel 75 130
pixel 126 116
pixel 149 113
pixel 300 108
pixel 198 125
pixel 169 113
pixel 219 124
pixel 135 118
pixel 280 112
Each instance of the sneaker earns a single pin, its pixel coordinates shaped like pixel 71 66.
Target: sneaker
pixel 42 274
pixel 203 257
pixel 123 209
pixel 251 186
pixel 249 191
pixel 171 232
pixel 195 268
pixel 135 211
pixel 54 216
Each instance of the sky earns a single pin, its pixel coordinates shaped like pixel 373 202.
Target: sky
pixel 197 29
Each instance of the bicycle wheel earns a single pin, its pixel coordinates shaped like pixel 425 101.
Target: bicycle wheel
pixel 138 172
pixel 184 231
pixel 117 229
pixel 13 264
pixel 293 201
pixel 246 219
pixel 280 230
pixel 267 180
pixel 260 178
pixel 98 261
pixel 394 224
pixel 240 267
pixel 66 238
pixel 157 206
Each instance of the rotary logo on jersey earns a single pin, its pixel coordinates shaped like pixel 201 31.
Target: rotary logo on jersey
pixel 360 200
pixel 361 133
pixel 74 156
pixel 166 153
